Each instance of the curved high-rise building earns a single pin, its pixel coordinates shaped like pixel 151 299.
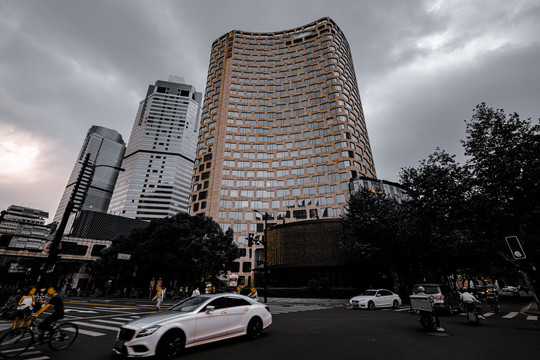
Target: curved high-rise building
pixel 160 154
pixel 106 150
pixel 282 132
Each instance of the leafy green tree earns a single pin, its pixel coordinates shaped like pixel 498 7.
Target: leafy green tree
pixel 188 248
pixel 376 240
pixel 436 207
pixel 504 176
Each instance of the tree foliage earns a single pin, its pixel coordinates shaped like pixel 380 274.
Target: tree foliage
pixel 188 248
pixel 504 175
pixel 457 216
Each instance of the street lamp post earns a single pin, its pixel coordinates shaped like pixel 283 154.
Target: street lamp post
pixel 265 247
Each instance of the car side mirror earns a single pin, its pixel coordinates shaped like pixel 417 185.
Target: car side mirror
pixel 378 295
pixel 209 308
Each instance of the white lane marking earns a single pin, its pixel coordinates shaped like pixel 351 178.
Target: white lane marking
pixel 38 358
pixel 123 318
pixel 510 315
pixel 532 317
pixel 489 314
pixel 403 309
pixel 81 311
pixel 109 322
pixel 95 325
pixel 88 332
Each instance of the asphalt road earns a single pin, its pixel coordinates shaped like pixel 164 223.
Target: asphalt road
pixel 322 332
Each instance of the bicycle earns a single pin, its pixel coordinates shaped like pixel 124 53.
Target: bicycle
pixel 18 339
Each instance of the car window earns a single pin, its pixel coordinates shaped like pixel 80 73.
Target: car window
pixel 233 301
pixel 444 289
pixel 428 289
pixel 219 303
pixel 190 304
pixel 385 293
pixel 369 293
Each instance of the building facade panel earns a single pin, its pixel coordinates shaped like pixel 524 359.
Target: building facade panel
pixel 106 149
pixel 282 129
pixel 161 152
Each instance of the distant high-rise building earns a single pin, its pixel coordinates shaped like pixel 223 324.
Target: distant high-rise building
pixel 161 152
pixel 106 150
pixel 282 131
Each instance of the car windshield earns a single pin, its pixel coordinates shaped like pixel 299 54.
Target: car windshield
pixel 369 293
pixel 428 289
pixel 190 304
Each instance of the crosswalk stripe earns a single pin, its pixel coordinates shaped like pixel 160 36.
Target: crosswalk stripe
pixel 489 314
pixel 532 317
pixel 510 315
pixel 38 358
pixel 95 325
pixel 87 332
pixel 109 322
pixel 123 318
pixel 403 309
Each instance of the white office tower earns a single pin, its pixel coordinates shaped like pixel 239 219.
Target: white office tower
pixel 105 149
pixel 160 154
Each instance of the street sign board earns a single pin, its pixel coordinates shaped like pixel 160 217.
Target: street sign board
pixel 16 268
pixel 124 256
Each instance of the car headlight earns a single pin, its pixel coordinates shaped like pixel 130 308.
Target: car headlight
pixel 148 331
pixel 363 301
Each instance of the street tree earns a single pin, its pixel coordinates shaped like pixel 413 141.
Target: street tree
pixel 376 237
pixel 504 175
pixel 190 249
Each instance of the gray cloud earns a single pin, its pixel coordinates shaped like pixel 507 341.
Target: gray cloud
pixel 421 66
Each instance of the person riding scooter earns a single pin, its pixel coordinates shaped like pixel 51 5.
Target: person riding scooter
pixel 471 302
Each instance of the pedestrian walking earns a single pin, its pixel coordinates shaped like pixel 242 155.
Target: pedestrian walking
pixel 196 292
pixel 158 298
pixel 151 288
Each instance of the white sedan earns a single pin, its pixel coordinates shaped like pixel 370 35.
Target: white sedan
pixel 197 320
pixel 375 298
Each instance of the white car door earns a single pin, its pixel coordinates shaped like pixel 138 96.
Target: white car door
pixel 238 310
pixel 212 323
pixel 386 297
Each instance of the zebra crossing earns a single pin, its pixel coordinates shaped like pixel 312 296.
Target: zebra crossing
pixel 509 315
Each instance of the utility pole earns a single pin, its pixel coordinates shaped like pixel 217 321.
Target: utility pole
pixel 54 250
pixel 265 247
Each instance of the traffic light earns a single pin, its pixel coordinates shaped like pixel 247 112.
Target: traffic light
pixel 250 239
pixel 515 247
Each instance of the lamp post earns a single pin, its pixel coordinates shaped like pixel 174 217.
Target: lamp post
pixel 265 247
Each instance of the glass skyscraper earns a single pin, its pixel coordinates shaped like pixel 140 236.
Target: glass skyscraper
pixel 282 131
pixel 106 149
pixel 160 154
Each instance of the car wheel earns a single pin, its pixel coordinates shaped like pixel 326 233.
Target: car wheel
pixel 395 305
pixel 254 328
pixel 170 345
pixel 371 305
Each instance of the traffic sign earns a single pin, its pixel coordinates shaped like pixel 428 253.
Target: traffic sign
pixel 515 247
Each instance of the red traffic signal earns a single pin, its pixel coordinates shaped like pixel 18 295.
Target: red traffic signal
pixel 250 239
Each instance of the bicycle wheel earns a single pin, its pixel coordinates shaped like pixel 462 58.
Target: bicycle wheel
pixel 63 336
pixel 14 342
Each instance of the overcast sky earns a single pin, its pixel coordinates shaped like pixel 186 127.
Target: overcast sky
pixel 422 67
